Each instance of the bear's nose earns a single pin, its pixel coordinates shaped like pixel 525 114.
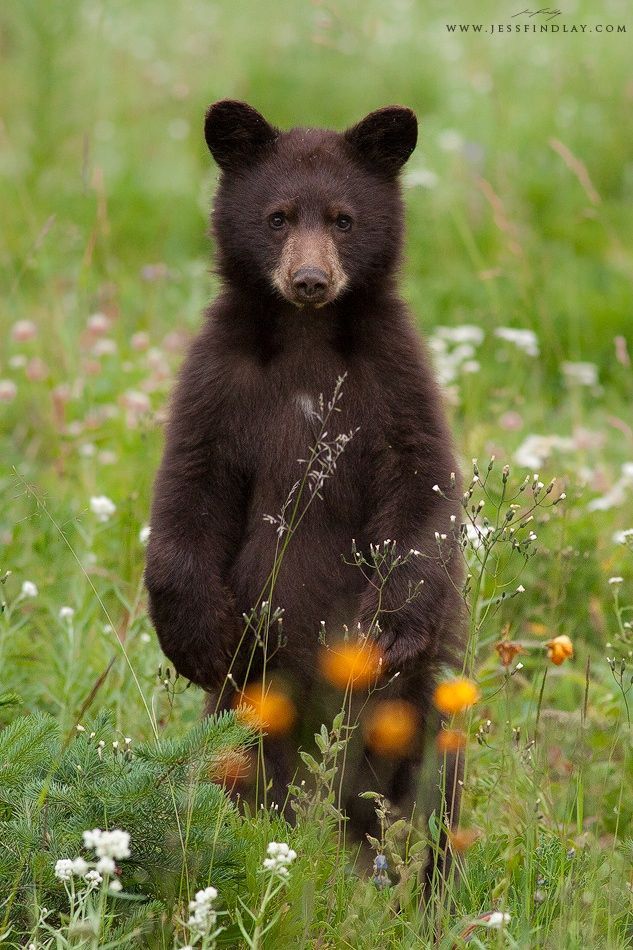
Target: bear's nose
pixel 310 284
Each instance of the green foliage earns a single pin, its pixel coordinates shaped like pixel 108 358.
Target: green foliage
pixel 54 787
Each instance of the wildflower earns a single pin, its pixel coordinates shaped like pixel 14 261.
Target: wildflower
pixel 98 323
pixel 29 589
pixel 36 370
pixel 507 651
pixel 354 665
pixel 104 347
pixel 380 878
pixel 455 695
pixel 140 341
pixel 621 537
pixel 144 534
pixel 535 450
pixel 93 877
pixel 106 865
pixel 115 886
pixel 582 374
pixel 80 867
pixel 559 649
pixel 450 740
pixel 280 857
pixel 102 507
pixel 8 390
pixel 390 727
pixel 461 839
pixel 108 844
pixel 496 920
pixel 267 708
pixel 450 140
pixel 66 613
pixel 203 916
pixel 616 580
pixel 23 330
pixel 421 177
pixel 64 869
pixel 524 340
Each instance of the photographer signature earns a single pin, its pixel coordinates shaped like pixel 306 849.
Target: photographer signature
pixel 544 11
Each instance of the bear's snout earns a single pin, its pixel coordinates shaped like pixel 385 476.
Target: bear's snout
pixel 310 284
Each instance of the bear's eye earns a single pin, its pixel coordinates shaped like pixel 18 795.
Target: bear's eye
pixel 277 220
pixel 343 222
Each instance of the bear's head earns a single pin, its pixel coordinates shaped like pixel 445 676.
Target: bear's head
pixel 308 214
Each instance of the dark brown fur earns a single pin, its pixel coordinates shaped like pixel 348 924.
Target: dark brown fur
pixel 239 425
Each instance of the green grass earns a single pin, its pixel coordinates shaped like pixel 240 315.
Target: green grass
pixel 104 172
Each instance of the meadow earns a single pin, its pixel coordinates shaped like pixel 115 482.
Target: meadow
pixel 518 268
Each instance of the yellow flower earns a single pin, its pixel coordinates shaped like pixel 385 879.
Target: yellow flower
pixel 450 740
pixel 452 696
pixel 351 664
pixel 559 649
pixel 269 709
pixel 390 727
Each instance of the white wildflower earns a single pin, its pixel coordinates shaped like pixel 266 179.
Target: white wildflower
pixel 421 177
pixel 581 374
pixel 104 347
pixel 102 507
pixel 115 886
pixel 106 865
pixel 66 613
pixel 497 920
pixel 80 867
pixel 616 580
pixel 93 877
pixel 465 333
pixel 524 340
pixel 91 838
pixel 144 534
pixel 112 844
pixel 203 916
pixel 29 589
pixel 450 140
pixel 64 869
pixel 621 537
pixel 535 450
pixel 280 856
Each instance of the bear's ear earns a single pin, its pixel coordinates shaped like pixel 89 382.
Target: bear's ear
pixel 384 140
pixel 236 133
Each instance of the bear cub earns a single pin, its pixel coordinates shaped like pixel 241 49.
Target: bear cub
pixel 308 325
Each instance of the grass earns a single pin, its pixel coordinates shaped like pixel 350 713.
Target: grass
pixel 518 203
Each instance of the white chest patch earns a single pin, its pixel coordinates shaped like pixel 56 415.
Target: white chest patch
pixel 305 405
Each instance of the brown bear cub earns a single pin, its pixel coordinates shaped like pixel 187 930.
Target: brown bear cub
pixel 308 226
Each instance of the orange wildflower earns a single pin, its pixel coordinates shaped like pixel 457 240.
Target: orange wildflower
pixel 559 649
pixel 453 696
pixel 507 650
pixel 356 665
pixel 268 709
pixel 450 740
pixel 461 839
pixel 390 727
